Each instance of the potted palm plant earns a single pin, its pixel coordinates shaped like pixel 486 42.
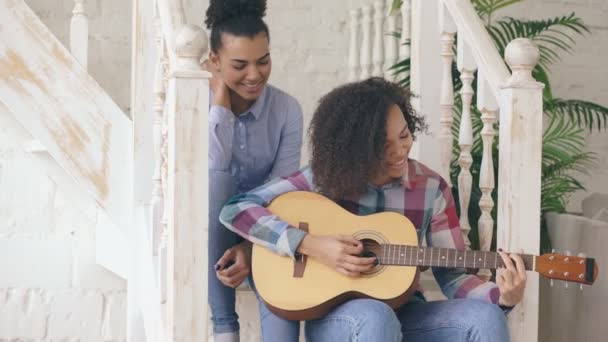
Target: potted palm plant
pixel 567 120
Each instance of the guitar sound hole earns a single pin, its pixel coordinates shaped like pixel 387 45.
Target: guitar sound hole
pixel 370 250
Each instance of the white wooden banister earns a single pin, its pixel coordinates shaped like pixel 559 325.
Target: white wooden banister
pixel 519 175
pixel 374 46
pixel 79 33
pixel 187 192
pixel 518 97
pixel 378 50
pixel 52 96
pixel 447 30
pixel 487 105
pixel 353 50
pixel 172 17
pixel 366 43
pixel 467 67
pixel 482 47
pixel 392 47
pixel 159 231
pixel 406 24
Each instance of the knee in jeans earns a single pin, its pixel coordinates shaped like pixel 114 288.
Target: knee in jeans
pixel 379 315
pixel 488 319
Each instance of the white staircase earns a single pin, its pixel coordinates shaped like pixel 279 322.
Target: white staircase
pixel 152 232
pixel 148 175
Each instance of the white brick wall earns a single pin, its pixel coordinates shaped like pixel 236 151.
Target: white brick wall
pixel 50 287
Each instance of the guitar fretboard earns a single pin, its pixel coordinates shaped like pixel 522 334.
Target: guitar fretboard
pixel 443 257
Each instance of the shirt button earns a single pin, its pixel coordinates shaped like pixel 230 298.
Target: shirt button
pixel 240 124
pixel 242 147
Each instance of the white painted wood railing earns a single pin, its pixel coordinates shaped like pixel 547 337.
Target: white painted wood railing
pixel 155 227
pixel 52 96
pixel 517 98
pixel 374 48
pixel 179 199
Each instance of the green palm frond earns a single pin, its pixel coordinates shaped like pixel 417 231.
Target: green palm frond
pixel 563 153
pixel 561 139
pixel 583 113
pixel 485 8
pixel 541 75
pixel 402 70
pixel 551 35
pixel 579 163
pixel 555 192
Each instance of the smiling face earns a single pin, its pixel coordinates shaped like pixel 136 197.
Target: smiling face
pixel 244 64
pixel 397 148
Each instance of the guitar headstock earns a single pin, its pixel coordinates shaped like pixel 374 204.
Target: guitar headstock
pixel 567 267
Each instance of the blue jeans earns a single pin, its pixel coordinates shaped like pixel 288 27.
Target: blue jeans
pixel 371 320
pixel 221 297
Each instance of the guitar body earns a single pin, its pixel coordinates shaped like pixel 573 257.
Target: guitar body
pixel 311 289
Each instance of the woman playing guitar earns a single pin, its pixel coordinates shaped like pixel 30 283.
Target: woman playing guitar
pixel 361 135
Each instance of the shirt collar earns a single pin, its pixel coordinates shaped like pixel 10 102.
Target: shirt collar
pixel 406 181
pixel 256 108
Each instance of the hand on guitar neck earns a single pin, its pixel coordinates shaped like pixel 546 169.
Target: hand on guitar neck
pixel 511 280
pixel 340 252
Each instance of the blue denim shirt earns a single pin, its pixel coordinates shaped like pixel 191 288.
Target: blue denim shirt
pixel 247 149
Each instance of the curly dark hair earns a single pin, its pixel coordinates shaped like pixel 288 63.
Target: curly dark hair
pixel 348 133
pixel 242 18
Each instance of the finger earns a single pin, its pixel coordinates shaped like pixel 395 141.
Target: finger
pixel 232 270
pixel 234 280
pixel 238 278
pixel 355 260
pixel 356 268
pixel 350 240
pixel 229 254
pixel 500 280
pixel 506 277
pixel 507 261
pixel 347 273
pixel 521 267
pixel 349 248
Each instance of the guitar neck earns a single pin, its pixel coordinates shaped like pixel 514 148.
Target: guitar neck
pixel 443 257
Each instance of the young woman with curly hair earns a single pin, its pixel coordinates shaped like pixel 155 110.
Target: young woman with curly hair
pixel 255 134
pixel 361 135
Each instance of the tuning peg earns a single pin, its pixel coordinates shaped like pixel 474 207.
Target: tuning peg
pixel 581 287
pixel 551 282
pixel 553 250
pixel 581 255
pixel 566 285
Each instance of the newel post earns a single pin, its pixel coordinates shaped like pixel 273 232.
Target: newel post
pixel 519 175
pixel 188 184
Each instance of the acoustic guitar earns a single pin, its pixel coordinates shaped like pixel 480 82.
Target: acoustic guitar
pixel 304 289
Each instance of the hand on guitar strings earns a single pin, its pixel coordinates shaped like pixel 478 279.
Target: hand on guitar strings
pixel 233 266
pixel 339 252
pixel 511 280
